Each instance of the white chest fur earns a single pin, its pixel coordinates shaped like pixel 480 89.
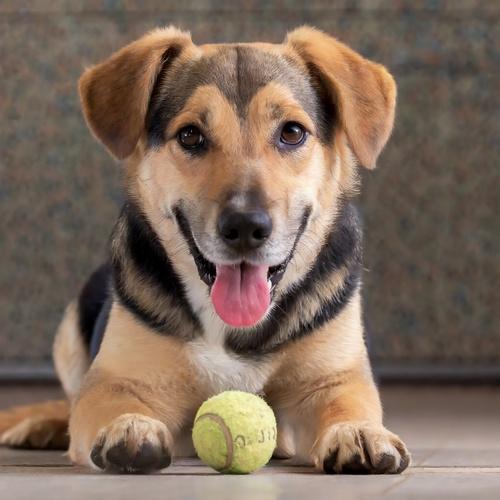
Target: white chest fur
pixel 225 371
pixel 222 369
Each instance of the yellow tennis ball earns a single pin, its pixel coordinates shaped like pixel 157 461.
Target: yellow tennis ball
pixel 235 432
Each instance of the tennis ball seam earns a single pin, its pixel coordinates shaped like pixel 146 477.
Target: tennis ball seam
pixel 227 436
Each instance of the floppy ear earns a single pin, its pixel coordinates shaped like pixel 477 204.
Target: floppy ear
pixel 115 94
pixel 364 91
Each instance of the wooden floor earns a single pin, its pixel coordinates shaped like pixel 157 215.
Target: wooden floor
pixel 453 433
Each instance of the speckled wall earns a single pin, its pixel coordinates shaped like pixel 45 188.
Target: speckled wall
pixel 431 209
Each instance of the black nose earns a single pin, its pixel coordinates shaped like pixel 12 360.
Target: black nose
pixel 244 230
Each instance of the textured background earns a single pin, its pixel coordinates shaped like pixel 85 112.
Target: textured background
pixel 431 209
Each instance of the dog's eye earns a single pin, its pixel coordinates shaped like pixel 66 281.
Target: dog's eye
pixel 292 134
pixel 190 137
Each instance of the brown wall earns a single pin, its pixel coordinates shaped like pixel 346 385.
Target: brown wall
pixel 431 209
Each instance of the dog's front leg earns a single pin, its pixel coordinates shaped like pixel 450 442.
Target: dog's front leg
pixel 337 426
pixel 136 401
pixel 349 434
pixel 324 392
pixel 113 429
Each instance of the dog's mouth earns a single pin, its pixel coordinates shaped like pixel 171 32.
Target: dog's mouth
pixel 241 293
pixel 208 271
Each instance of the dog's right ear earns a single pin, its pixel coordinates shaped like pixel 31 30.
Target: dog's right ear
pixel 115 94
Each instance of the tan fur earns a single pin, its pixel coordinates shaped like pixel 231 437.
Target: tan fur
pixel 42 425
pixel 149 297
pixel 156 381
pixel 115 94
pixel 134 429
pixel 38 433
pixel 146 387
pixel 372 443
pixel 45 425
pixel 366 91
pixel 70 355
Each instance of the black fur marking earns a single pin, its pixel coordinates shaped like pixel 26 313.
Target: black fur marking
pixel 206 270
pixel 330 462
pixel 91 299
pixel 405 461
pixel 148 458
pixel 96 455
pixel 386 464
pixel 143 251
pixel 328 111
pixel 277 272
pixel 100 327
pixel 239 72
pixel 356 466
pixel 167 60
pixel 342 249
pixel 119 459
pixel 130 303
pixel 149 256
pixel 330 308
pixel 150 260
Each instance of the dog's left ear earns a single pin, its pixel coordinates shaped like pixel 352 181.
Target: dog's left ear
pixel 115 94
pixel 365 93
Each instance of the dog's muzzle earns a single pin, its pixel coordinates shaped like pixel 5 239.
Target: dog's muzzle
pixel 241 293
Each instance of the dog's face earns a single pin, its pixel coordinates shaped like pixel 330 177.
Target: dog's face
pixel 247 147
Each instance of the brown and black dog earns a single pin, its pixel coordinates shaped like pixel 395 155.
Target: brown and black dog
pixel 236 260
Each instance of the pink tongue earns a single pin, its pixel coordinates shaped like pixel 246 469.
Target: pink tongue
pixel 241 294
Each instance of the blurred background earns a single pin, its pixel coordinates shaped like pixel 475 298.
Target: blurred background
pixel 431 208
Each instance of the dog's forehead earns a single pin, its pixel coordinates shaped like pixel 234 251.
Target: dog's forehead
pixel 238 71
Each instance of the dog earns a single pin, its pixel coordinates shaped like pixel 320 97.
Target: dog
pixel 236 261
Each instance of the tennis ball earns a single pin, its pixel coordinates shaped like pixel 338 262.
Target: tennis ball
pixel 235 432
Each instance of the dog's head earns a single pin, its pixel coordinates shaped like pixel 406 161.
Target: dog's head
pixel 244 151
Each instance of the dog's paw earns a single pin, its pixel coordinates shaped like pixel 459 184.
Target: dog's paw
pixel 360 448
pixel 133 444
pixel 37 433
